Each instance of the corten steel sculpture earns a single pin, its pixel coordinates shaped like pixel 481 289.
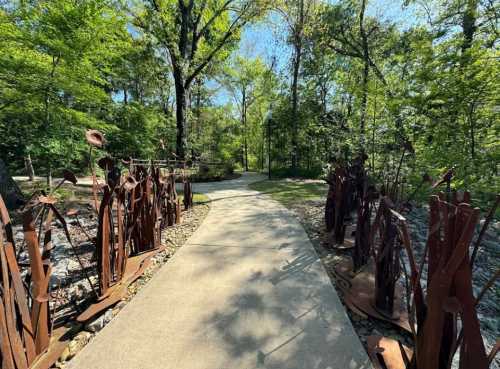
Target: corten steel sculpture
pixel 112 236
pixel 172 205
pixel 372 290
pixel 188 191
pixel 330 202
pixel 144 208
pixel 364 198
pixel 128 222
pixel 94 139
pixel 129 219
pixel 386 256
pixel 26 324
pixel 362 246
pixel 20 342
pixel 342 198
pixel 339 204
pixel 449 296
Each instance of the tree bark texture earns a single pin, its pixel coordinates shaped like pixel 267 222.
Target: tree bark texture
pixel 10 191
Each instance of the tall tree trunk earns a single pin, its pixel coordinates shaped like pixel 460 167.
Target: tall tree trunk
pixel 182 103
pixel 295 104
pixel 469 24
pixel 468 30
pixel 244 119
pixel 297 41
pixel 295 133
pixel 366 72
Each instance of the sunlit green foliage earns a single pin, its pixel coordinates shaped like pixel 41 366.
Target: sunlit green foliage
pixel 151 73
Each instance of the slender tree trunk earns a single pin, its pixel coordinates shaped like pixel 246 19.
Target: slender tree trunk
pixel 373 128
pixel 295 103
pixel 472 135
pixel 197 130
pixel 366 72
pixel 49 177
pixel 469 28
pixel 29 168
pixel 297 37
pixel 469 24
pixel 244 119
pixel 364 106
pixel 182 103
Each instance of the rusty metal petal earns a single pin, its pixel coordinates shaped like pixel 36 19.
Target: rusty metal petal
pixel 95 138
pixel 130 183
pixel 72 212
pixel 48 200
pixel 69 176
pixel 106 163
pixel 127 161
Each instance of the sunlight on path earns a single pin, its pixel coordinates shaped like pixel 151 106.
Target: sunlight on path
pixel 246 291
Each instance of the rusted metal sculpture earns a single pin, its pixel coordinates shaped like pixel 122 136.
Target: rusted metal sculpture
pixel 111 253
pixel 129 221
pixel 330 202
pixel 171 208
pixel 132 210
pixel 449 288
pixel 386 255
pixel 188 191
pixel 40 274
pixel 129 231
pixel 362 246
pixel 144 210
pixel 339 205
pixel 20 342
pixel 449 296
pixel 372 290
pixel 365 196
pixel 26 325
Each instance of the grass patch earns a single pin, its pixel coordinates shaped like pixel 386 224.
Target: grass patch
pixel 288 192
pixel 66 192
pixel 198 198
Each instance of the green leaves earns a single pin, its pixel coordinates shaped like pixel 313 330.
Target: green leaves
pixel 55 69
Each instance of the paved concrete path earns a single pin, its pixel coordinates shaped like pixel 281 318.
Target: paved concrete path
pixel 247 291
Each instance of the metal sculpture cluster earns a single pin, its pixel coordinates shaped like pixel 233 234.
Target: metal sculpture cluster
pixel 132 210
pixel 370 284
pixel 449 297
pixel 386 257
pixel 346 188
pixel 370 281
pixel 26 322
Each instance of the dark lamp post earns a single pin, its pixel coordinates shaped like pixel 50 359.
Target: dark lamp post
pixel 269 122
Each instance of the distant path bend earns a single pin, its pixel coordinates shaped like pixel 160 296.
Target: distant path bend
pixel 247 291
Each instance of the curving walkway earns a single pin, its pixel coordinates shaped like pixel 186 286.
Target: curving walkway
pixel 247 291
